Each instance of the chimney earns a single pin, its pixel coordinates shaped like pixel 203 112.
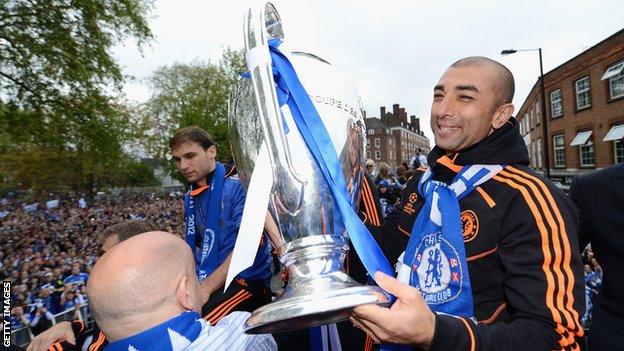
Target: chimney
pixel 415 123
pixel 395 110
pixel 382 111
pixel 402 115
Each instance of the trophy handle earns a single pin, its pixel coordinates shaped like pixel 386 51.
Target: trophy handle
pixel 260 25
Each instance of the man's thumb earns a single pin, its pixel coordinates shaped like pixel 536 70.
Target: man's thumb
pixel 392 286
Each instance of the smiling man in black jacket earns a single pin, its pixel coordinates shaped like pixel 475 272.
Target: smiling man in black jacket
pixel 513 279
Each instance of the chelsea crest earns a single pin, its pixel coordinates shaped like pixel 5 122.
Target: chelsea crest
pixel 436 270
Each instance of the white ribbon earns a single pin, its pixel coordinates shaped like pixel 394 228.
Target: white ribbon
pixel 254 214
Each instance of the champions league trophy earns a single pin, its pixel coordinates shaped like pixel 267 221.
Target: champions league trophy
pixel 305 224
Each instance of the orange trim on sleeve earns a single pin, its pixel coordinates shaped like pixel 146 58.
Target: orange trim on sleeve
pixel 98 343
pixel 216 318
pixel 471 333
pixel 368 345
pixel 224 304
pixel 403 231
pixel 483 254
pixel 231 171
pixel 494 315
pixel 567 252
pixel 369 203
pixel 554 276
pixel 486 197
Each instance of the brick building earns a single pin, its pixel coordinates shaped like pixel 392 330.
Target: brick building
pixel 393 138
pixel 585 112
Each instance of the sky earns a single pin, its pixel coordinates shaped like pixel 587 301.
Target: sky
pixel 394 50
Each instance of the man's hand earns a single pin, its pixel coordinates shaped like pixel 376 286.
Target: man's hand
pixel 60 331
pixel 408 321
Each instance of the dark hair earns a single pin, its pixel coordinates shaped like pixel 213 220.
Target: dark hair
pixel 191 134
pixel 127 229
pixel 506 86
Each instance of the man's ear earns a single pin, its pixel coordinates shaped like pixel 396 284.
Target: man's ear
pixel 502 115
pixel 184 294
pixel 212 151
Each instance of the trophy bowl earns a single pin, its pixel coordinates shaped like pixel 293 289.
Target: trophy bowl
pixel 305 224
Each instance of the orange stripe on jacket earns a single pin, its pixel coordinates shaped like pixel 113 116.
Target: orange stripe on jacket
pixel 98 343
pixel 470 333
pixel 566 246
pixel 545 244
pixel 369 203
pixel 559 261
pixel 216 318
pixel 223 304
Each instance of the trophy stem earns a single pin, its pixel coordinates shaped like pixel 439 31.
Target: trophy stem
pixel 318 291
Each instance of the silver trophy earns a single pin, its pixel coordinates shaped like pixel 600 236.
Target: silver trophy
pixel 304 223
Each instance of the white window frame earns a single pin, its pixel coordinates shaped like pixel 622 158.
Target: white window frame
pixel 619 80
pixel 582 90
pixel 368 143
pixel 556 105
pixel 560 148
pixel 618 158
pixel 377 143
pixel 589 145
pixel 377 154
pixel 371 132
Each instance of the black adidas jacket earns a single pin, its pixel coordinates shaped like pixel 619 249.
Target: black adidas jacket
pixel 523 257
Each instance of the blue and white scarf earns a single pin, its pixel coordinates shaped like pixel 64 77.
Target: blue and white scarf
pixel 435 259
pixel 202 215
pixel 173 335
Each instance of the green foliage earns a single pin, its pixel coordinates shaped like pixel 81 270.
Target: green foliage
pixel 190 94
pixel 61 123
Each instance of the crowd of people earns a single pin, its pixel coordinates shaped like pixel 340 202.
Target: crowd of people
pixel 47 253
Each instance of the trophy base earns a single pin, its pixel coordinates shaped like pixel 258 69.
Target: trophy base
pixel 318 308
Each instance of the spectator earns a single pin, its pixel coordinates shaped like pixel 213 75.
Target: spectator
pixel 370 167
pixel 77 277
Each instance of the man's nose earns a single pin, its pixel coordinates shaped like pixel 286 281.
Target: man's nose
pixel 445 107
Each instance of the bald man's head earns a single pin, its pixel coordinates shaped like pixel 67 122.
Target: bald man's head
pixel 142 282
pixel 503 79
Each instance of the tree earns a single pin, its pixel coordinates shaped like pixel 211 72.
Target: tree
pixel 60 109
pixel 190 94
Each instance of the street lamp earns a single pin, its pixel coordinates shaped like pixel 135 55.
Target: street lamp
pixel 545 138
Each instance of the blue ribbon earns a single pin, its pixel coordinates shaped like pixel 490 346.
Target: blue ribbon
pixel 319 143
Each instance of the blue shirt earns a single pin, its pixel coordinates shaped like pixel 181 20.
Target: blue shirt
pixel 78 279
pixel 232 203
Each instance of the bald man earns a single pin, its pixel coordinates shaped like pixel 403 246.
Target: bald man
pixel 145 295
pixel 490 259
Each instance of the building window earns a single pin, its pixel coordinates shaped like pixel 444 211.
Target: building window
pixel 529 121
pixel 377 155
pixel 368 154
pixel 556 107
pixel 559 149
pixel 587 153
pixel 540 163
pixel 583 97
pixel 371 132
pixel 377 143
pixel 538 118
pixel 615 75
pixel 368 143
pixel 618 151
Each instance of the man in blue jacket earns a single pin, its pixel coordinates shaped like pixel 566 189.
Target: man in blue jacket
pixel 212 209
